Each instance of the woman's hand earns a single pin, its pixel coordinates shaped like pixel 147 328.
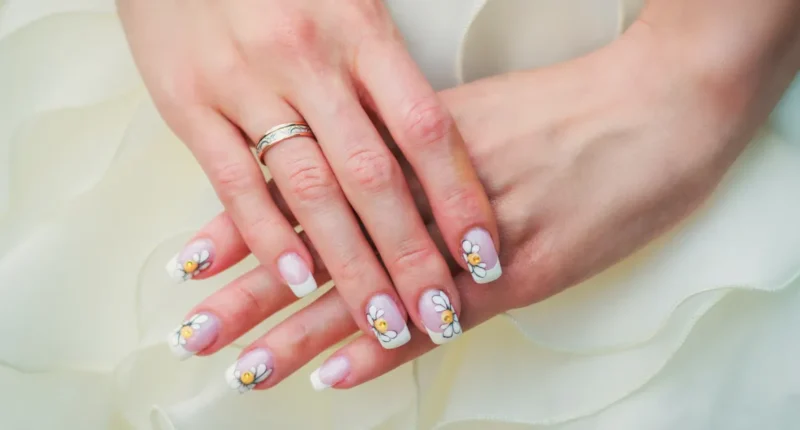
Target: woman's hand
pixel 217 69
pixel 585 162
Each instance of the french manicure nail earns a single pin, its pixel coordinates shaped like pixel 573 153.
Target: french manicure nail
pixel 196 257
pixel 295 272
pixel 252 369
pixel 387 322
pixel 480 254
pixel 439 317
pixel 194 335
pixel 330 373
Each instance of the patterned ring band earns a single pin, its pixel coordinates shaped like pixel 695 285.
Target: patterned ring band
pixel 279 133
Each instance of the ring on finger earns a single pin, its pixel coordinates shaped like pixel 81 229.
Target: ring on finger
pixel 280 133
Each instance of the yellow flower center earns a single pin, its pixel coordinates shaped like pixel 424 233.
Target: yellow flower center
pixel 474 259
pixel 447 316
pixel 381 325
pixel 247 378
pixel 190 266
pixel 186 332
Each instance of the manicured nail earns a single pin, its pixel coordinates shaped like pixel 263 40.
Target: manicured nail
pixel 252 369
pixel 439 317
pixel 481 256
pixel 387 322
pixel 330 373
pixel 294 271
pixel 196 257
pixel 194 335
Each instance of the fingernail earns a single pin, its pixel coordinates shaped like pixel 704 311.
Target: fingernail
pixel 295 272
pixel 252 369
pixel 479 253
pixel 194 335
pixel 330 373
pixel 196 257
pixel 439 317
pixel 387 322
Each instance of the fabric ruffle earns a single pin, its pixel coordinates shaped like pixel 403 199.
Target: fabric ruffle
pixel 695 331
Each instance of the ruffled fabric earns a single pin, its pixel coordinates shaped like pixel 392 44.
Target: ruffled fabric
pixel 696 331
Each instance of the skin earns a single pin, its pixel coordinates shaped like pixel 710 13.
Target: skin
pixel 585 162
pixel 222 73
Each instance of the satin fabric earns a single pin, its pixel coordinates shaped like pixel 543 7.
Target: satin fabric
pixel 696 331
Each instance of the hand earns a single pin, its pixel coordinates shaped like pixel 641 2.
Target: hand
pixel 218 68
pixel 582 168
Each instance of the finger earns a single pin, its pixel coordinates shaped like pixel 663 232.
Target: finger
pixel 290 345
pixel 372 180
pixel 232 311
pixel 309 187
pixel 360 361
pixel 215 248
pixel 426 133
pixel 242 188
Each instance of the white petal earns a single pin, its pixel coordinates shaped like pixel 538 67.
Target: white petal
pixel 391 334
pixel 196 326
pixel 379 314
pixel 182 340
pixel 475 249
pixel 370 320
pixel 234 383
pixel 373 311
pixel 479 272
pixel 237 374
pixel 200 319
pixel 245 388
pixel 264 376
pixel 466 246
pixel 196 258
pixel 203 256
pixel 444 326
pixel 466 259
pixel 448 332
pixel 259 370
pixel 439 300
pixel 446 299
pixel 383 337
pixel 204 266
pixel 457 326
pixel 439 308
pixel 482 265
pixel 471 268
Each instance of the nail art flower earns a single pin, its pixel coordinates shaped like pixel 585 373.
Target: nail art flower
pixel 379 325
pixel 450 324
pixel 193 266
pixel 186 330
pixel 473 259
pixel 245 380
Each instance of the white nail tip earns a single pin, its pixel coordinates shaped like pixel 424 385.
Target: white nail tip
pixel 171 269
pixel 317 383
pixel 179 352
pixel 402 338
pixel 491 275
pixel 439 339
pixel 304 289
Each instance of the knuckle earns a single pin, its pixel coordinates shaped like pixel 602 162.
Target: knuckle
pixel 413 254
pixel 299 337
pixel 296 34
pixel 370 170
pixel 234 180
pixel 351 268
pixel 252 301
pixel 311 182
pixel 426 122
pixel 463 202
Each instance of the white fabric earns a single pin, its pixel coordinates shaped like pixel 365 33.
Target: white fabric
pixel 697 331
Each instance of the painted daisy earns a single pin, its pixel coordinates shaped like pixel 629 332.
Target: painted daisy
pixel 193 266
pixel 379 325
pixel 473 259
pixel 186 330
pixel 450 324
pixel 245 380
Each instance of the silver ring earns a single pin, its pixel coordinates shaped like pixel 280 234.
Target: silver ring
pixel 280 133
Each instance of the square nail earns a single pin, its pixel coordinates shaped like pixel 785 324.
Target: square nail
pixel 439 317
pixel 250 370
pixel 330 373
pixel 194 335
pixel 296 274
pixel 387 322
pixel 195 258
pixel 480 254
